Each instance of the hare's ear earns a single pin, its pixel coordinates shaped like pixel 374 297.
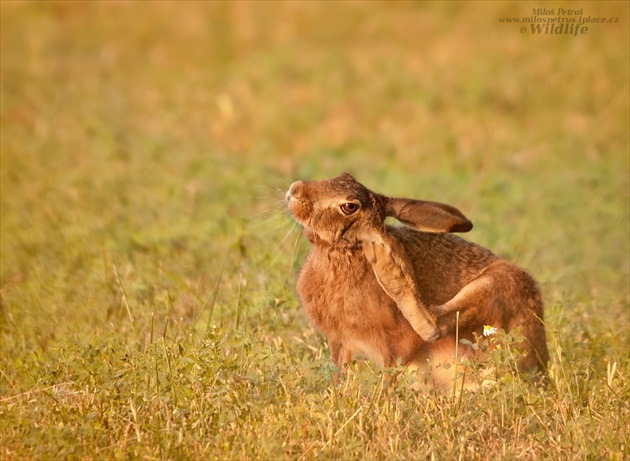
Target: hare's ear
pixel 427 216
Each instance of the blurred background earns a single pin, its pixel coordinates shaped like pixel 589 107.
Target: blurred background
pixel 148 146
pixel 147 271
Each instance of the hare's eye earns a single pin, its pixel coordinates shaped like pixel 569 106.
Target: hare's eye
pixel 349 208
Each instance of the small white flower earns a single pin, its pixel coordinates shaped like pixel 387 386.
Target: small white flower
pixel 489 330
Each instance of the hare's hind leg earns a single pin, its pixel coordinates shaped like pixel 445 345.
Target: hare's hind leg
pixel 474 300
pixel 503 296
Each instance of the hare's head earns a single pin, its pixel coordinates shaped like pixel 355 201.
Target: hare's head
pixel 342 211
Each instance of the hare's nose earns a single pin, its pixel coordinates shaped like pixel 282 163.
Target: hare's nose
pixel 295 191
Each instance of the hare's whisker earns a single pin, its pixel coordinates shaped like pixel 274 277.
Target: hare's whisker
pixel 293 254
pixel 278 224
pixel 279 245
pixel 255 223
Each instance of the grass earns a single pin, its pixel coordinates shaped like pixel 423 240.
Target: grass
pixel 148 308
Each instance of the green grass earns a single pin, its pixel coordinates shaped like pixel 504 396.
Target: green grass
pixel 148 308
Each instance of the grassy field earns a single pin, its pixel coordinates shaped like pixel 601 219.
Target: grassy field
pixel 148 267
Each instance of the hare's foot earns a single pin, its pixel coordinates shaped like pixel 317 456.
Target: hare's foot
pixel 476 291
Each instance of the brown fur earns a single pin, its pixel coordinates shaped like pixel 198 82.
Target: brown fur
pixel 364 284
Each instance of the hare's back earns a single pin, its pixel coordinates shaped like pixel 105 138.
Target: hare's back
pixel 443 263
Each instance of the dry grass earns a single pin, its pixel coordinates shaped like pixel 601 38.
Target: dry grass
pixel 147 291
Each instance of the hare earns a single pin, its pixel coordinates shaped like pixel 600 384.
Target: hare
pixel 391 293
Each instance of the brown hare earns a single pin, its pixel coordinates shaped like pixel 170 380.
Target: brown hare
pixel 392 292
